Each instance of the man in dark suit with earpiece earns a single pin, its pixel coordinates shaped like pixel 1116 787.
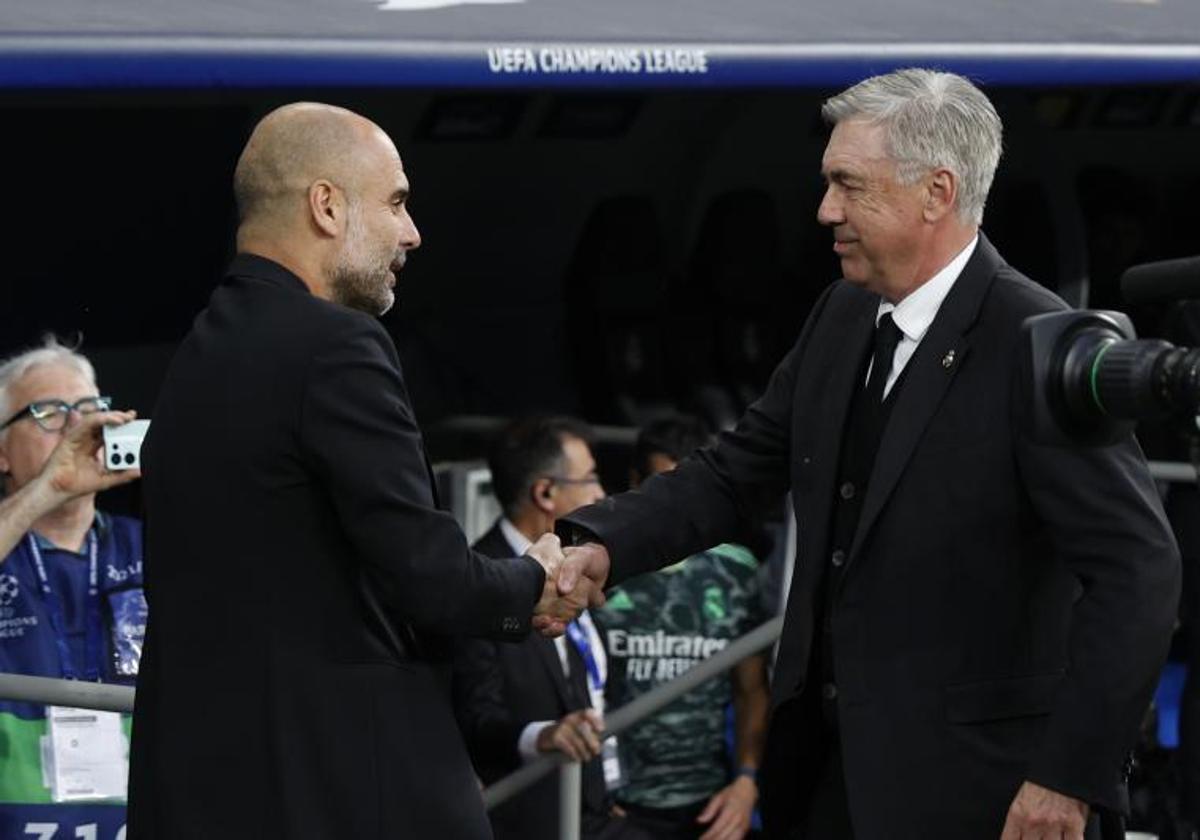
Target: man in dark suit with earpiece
pixel 515 702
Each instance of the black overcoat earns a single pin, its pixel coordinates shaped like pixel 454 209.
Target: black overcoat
pixel 296 565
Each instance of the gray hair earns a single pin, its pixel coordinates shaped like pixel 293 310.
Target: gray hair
pixel 931 120
pixel 50 352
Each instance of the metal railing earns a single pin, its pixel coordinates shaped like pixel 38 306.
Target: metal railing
pixel 621 719
pixel 75 693
pixel 1183 473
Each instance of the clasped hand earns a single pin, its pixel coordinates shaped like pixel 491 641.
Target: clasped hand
pixel 575 578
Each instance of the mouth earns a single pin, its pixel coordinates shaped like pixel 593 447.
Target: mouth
pixel 841 246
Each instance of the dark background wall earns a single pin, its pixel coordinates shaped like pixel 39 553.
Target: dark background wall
pixel 603 254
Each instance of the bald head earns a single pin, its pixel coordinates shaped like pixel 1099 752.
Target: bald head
pixel 292 147
pixel 322 191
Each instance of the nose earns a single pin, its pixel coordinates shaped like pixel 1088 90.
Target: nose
pixel 410 237
pixel 829 212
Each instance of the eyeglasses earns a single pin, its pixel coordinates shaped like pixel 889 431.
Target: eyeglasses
pixel 52 415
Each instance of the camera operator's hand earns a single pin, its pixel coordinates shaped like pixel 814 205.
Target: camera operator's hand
pixel 76 466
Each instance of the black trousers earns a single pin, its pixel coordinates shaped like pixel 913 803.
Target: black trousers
pixel 668 823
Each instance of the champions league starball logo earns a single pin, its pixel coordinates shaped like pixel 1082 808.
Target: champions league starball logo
pixel 9 589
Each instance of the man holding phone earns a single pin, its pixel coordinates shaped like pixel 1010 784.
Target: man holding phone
pixel 71 602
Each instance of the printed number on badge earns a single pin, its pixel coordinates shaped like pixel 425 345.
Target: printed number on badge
pixel 48 831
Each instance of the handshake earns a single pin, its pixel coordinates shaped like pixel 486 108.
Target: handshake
pixel 575 578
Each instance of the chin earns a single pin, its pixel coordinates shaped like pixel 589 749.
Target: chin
pixel 853 278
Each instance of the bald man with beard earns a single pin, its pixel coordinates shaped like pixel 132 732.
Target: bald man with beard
pixel 298 568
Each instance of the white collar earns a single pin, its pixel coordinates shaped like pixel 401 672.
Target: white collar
pixel 916 312
pixel 517 541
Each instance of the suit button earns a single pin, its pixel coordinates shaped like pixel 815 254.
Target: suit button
pixel 838 558
pixel 846 491
pixel 829 691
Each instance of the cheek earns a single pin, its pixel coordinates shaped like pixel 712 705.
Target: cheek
pixel 27 459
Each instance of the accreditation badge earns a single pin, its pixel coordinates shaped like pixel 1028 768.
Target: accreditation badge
pixel 84 755
pixel 610 760
pixel 129 611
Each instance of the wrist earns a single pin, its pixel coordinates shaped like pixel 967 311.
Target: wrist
pixel 545 738
pixel 747 777
pixel 42 497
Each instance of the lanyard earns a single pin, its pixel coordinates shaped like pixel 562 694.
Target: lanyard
pixel 578 637
pixel 92 623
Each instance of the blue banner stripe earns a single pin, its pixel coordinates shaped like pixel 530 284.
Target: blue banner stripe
pixel 474 68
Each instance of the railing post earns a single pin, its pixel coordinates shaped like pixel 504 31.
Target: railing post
pixel 570 799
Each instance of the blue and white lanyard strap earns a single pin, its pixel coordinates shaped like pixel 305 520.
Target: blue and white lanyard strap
pixel 579 638
pixel 93 625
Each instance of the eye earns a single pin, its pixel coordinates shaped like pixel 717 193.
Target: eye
pixel 42 410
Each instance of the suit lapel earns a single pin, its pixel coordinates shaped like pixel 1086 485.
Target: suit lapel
pixel 928 375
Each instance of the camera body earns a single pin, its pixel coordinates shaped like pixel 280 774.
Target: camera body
pixel 123 445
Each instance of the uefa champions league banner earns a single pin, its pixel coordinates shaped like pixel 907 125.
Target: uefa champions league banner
pixel 72 62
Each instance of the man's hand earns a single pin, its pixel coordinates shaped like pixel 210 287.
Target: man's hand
pixel 730 810
pixel 1039 812
pixel 580 584
pixel 75 467
pixel 586 566
pixel 576 736
pixel 552 612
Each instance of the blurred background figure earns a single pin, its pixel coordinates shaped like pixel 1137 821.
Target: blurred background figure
pixel 71 603
pixel 517 701
pixel 682 780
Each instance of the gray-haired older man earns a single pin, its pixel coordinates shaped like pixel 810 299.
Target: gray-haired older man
pixel 976 621
pixel 71 602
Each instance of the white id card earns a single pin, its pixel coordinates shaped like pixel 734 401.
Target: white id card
pixel 85 755
pixel 610 760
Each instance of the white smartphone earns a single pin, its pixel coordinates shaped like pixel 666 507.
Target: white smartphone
pixel 123 445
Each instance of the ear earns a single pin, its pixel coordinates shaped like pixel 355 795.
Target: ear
pixel 941 195
pixel 327 207
pixel 541 494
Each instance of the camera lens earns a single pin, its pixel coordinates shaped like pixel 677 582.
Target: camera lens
pixel 129 458
pixel 116 459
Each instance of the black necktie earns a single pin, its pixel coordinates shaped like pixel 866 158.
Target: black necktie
pixel 887 336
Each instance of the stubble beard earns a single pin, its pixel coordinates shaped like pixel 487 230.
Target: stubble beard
pixel 362 280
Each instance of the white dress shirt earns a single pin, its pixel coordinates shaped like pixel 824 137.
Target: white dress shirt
pixel 527 742
pixel 915 313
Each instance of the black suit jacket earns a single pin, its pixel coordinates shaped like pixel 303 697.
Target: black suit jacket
pixel 499 688
pixel 292 537
pixel 1005 606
